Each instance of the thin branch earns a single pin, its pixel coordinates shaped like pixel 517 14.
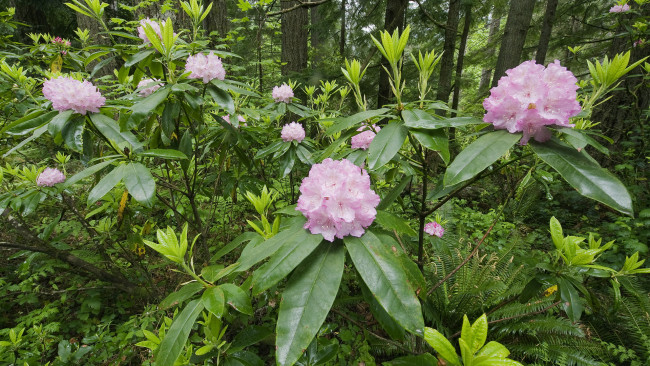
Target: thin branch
pixel 426 13
pixel 301 4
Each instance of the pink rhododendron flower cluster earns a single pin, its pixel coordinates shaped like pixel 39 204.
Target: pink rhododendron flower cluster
pixel 531 97
pixel 148 90
pixel 282 93
pixel 434 228
pixel 363 140
pixel 242 120
pixel 61 42
pixel 293 131
pixel 205 67
pixel 49 177
pixel 619 8
pixel 154 25
pixel 337 199
pixel 67 93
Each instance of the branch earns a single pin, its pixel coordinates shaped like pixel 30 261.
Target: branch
pixel 300 4
pixel 426 13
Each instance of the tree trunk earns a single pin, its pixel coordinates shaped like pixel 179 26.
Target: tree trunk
pixel 447 60
pixel 486 74
pixel 514 37
pixel 343 25
pixel 294 38
pixel 217 19
pixel 394 19
pixel 85 22
pixel 315 36
pixel 461 56
pixel 547 27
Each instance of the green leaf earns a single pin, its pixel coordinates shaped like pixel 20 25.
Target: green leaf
pixel 392 222
pixel 139 181
pixel 111 130
pixel 493 349
pixel 244 237
pixel 72 134
pixel 87 172
pixel 435 140
pixel 57 123
pixel 237 298
pixel 134 59
pixel 420 119
pixel 344 123
pixel 107 183
pixel 143 108
pixel 223 99
pixel 585 175
pixel 479 155
pixel 441 345
pixel 249 336
pixel 424 359
pixel 494 361
pixel 382 272
pixel 309 295
pixel 286 258
pixel 25 119
pixel 556 233
pixel 391 196
pixel 479 333
pixel 181 295
pixel 394 330
pixel 163 154
pixel 386 144
pixel 570 300
pixel 214 301
pixel 174 342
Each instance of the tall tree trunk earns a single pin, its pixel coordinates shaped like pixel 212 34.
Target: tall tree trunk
pixel 294 38
pixel 447 60
pixel 95 28
pixel 394 19
pixel 343 26
pixel 547 27
pixel 217 19
pixel 461 56
pixel 486 74
pixel 514 37
pixel 315 36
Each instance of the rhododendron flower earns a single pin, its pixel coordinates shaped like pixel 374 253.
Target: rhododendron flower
pixel 205 67
pixel 67 93
pixel 337 200
pixel 151 86
pixel 619 8
pixel 434 228
pixel 282 93
pixel 49 177
pixel 363 140
pixel 242 120
pixel 531 97
pixel 293 131
pixel 154 25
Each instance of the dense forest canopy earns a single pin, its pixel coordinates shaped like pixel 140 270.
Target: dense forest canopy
pixel 324 182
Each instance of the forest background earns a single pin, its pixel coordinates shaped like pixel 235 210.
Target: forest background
pixel 82 279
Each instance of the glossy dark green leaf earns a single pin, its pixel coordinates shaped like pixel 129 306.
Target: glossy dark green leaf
pixel 243 358
pixel 394 330
pixel 223 99
pixel 164 154
pixel 172 345
pixel 479 155
pixel 250 335
pixel 570 300
pixel 72 134
pixel 237 298
pixel 111 130
pixel 309 295
pixel 392 222
pixel 57 123
pixel 386 145
pixel 244 237
pixel 424 359
pixel 392 195
pixel 87 172
pixel 214 301
pixel 25 119
pixel 585 175
pixel 170 114
pixel 134 59
pixel 139 181
pixel 253 255
pixel 382 272
pixel 145 107
pixel 420 119
pixel 181 295
pixel 435 140
pixel 107 183
pixel 344 123
pixel 293 250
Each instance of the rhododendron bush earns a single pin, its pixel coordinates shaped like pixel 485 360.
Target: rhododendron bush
pixel 256 211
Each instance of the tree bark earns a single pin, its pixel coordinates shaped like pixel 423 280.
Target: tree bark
pixel 461 56
pixel 447 60
pixel 294 38
pixel 547 27
pixel 514 37
pixel 394 19
pixel 343 26
pixel 486 74
pixel 217 19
